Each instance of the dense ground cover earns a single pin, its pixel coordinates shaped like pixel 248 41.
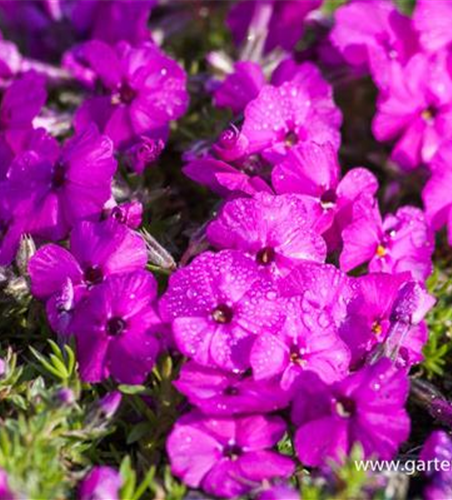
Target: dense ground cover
pixel 225 248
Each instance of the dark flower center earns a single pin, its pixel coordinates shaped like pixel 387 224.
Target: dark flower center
pixel 290 139
pixel 93 275
pixel 232 451
pixel 126 93
pixel 230 391
pixel 295 356
pixel 265 256
pixel 429 113
pixel 345 407
pixel 115 326
pixel 328 198
pixel 59 175
pixel 222 314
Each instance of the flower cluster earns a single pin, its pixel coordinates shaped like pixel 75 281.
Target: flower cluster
pixel 285 336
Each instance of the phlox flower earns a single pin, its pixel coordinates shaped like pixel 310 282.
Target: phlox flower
pixel 366 408
pixel 431 18
pixel 217 305
pixel 97 250
pixel 370 317
pixel 438 447
pixel 414 110
pixel 143 91
pixel 313 170
pixel 436 193
pixel 279 492
pixel 216 392
pixel 101 482
pixel 276 230
pixel 401 242
pixel 283 22
pixel 227 457
pixel 114 327
pixel 295 112
pixel 365 29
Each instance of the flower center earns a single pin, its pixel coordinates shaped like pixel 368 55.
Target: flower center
pixel 265 256
pixel 93 275
pixel 429 113
pixel 230 391
pixel 345 407
pixel 115 326
pixel 296 357
pixel 126 93
pixel 222 314
pixel 328 198
pixel 381 251
pixel 59 175
pixel 290 139
pixel 232 451
pixel 376 327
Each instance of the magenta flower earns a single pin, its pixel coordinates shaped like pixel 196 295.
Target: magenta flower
pixel 130 214
pixel 313 170
pixel 402 242
pixel 101 483
pixel 143 91
pixel 282 21
pixel 365 29
pixel 370 318
pixel 431 18
pixel 217 305
pixel 216 392
pixel 279 492
pixel 114 328
pixel 227 457
pixel 144 153
pixel 416 111
pixel 297 111
pixel 97 250
pixel 5 490
pixel 275 230
pixel 308 341
pixel 436 195
pixel 21 103
pixel 437 448
pixel 51 193
pixel 366 408
pixel 240 87
pixel 112 20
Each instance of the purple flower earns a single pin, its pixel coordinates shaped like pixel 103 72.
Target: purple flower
pixel 279 492
pixel 231 145
pixel 97 250
pixel 144 153
pixel 240 87
pixel 282 21
pixel 130 214
pixel 365 29
pixel 436 195
pixel 308 341
pixel 224 179
pixel 10 59
pixel 109 404
pixel 51 193
pixel 370 317
pixel 216 392
pixel 402 242
pixel 217 305
pixel 143 91
pixel 297 111
pixel 101 483
pixel 275 230
pixel 414 110
pixel 437 448
pixel 365 408
pixel 113 20
pixel 313 170
pixel 21 103
pixel 114 328
pixel 227 457
pixel 5 490
pixel 431 18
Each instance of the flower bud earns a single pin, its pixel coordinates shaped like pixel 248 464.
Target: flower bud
pixel 231 144
pixel 144 153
